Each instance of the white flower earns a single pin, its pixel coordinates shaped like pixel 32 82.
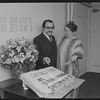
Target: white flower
pixel 33 57
pixel 16 59
pixel 12 53
pixel 18 48
pixel 2 55
pixel 13 60
pixel 8 61
pixel 13 44
pixel 28 54
pixel 9 46
pixel 22 42
pixel 22 59
pixel 35 50
pixel 22 55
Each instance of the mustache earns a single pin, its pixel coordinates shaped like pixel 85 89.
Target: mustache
pixel 49 31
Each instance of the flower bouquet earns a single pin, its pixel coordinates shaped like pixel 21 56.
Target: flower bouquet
pixel 19 56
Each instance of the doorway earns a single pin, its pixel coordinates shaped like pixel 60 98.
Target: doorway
pixel 94 42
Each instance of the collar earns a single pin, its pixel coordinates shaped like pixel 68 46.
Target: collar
pixel 46 36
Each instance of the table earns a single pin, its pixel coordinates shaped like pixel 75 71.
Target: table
pixel 5 84
pixel 16 90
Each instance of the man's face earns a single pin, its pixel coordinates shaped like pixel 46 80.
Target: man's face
pixel 48 29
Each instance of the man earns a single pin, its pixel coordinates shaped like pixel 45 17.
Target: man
pixel 46 45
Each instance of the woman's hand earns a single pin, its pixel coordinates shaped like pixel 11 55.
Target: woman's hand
pixel 73 58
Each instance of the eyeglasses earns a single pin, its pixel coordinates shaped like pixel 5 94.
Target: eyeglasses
pixel 50 27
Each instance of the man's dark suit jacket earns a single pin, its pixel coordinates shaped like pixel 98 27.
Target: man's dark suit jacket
pixel 46 49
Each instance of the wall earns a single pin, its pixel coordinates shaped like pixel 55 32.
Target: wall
pixel 94 43
pixel 38 12
pixel 81 19
pixel 60 17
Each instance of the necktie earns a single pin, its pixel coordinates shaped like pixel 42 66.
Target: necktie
pixel 51 39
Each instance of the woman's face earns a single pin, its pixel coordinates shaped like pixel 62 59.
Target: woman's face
pixel 68 32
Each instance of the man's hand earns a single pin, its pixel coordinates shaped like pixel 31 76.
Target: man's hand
pixel 46 60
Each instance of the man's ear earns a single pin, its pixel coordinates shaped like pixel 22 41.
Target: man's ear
pixel 42 28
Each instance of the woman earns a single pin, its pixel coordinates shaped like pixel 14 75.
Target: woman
pixel 69 50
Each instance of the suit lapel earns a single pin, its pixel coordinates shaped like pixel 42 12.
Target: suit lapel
pixel 44 38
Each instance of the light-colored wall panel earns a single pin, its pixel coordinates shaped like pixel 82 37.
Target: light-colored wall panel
pixel 38 12
pixel 81 19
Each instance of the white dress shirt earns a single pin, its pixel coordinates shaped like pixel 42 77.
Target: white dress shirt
pixel 47 36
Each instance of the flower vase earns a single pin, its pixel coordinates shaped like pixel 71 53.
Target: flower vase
pixel 19 69
pixel 16 74
pixel 16 71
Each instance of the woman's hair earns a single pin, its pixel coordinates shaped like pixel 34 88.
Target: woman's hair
pixel 72 26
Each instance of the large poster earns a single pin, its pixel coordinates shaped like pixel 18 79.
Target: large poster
pixel 15 24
